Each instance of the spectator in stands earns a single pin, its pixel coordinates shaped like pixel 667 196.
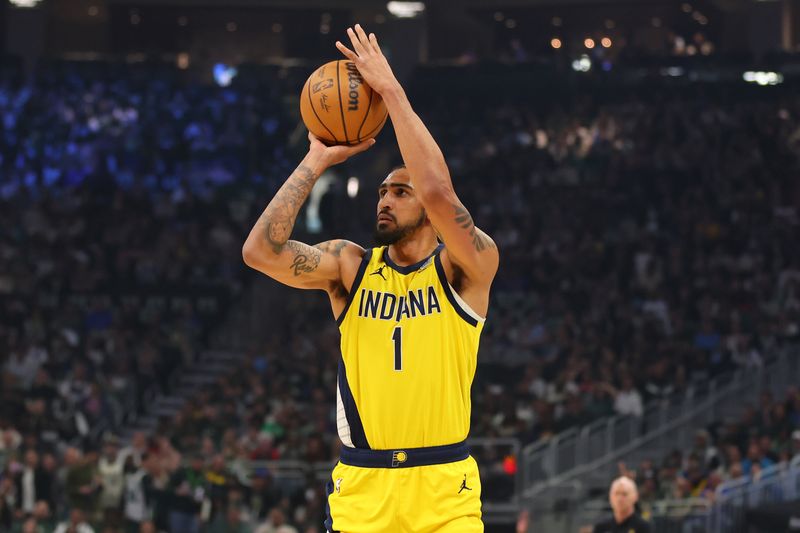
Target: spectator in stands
pixel 139 492
pixel 230 522
pixel 188 488
pixel 111 471
pixel 755 456
pixel 795 446
pixel 276 523
pixel 705 450
pixel 627 400
pixel 7 499
pixel 76 523
pixel 33 484
pixel 82 483
pixel 262 495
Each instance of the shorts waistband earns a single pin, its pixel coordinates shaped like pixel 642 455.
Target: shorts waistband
pixel 404 457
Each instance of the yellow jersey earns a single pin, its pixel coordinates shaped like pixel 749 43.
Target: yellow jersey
pixel 409 350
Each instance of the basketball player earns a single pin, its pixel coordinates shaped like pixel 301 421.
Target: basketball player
pixel 410 312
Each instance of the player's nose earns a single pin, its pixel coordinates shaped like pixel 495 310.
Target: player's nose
pixel 384 204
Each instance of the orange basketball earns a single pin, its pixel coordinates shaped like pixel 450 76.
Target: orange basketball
pixel 339 107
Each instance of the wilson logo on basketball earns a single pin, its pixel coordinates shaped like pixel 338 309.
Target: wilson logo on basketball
pixel 355 80
pixel 322 85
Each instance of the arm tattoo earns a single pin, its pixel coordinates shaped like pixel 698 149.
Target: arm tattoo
pixel 306 258
pixel 279 217
pixel 464 219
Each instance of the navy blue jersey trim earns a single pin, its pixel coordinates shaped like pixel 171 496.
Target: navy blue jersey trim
pixel 356 283
pixel 328 518
pixel 357 435
pixel 449 292
pixel 410 268
pixel 405 457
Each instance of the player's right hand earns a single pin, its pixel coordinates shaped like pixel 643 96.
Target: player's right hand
pixel 333 155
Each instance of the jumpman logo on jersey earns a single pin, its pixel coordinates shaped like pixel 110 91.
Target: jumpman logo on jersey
pixel 464 485
pixel 379 272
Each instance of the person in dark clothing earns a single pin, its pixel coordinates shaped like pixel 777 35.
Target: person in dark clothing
pixel 188 490
pixel 262 495
pixel 623 496
pixel 33 484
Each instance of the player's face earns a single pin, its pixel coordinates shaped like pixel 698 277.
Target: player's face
pixel 399 211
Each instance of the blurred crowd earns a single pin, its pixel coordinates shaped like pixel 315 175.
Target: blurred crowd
pixel 764 436
pixel 647 243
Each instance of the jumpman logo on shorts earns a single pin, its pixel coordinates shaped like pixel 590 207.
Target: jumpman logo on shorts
pixel 379 272
pixel 464 485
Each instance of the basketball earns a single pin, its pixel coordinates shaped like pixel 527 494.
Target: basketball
pixel 339 107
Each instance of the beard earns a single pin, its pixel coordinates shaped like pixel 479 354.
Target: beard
pixel 384 236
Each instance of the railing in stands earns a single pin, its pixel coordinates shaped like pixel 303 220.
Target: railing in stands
pixel 591 454
pixel 777 483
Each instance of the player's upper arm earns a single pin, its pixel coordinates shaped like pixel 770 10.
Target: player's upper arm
pixel 469 247
pixel 303 266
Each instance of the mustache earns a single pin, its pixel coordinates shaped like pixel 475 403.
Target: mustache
pixel 388 214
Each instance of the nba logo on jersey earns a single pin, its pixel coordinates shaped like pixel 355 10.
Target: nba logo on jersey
pixel 399 458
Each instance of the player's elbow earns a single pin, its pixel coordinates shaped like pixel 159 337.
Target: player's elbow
pixel 252 254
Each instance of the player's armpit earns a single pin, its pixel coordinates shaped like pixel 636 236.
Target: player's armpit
pixel 303 266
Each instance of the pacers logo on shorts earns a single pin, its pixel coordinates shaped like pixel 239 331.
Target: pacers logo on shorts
pixel 399 458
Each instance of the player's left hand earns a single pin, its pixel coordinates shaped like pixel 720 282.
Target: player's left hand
pixel 369 59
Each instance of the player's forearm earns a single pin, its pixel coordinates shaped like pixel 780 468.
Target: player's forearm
pixel 423 157
pixel 271 233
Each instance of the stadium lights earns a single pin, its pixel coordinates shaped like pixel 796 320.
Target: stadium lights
pixel 763 78
pixel 405 10
pixel 25 3
pixel 223 74
pixel 672 71
pixel 583 64
pixel 352 186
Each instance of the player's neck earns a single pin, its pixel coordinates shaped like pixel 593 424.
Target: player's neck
pixel 410 251
pixel 623 515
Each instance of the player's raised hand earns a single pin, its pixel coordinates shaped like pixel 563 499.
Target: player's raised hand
pixel 369 59
pixel 333 155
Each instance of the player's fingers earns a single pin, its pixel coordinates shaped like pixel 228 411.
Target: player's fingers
pixel 349 54
pixel 360 147
pixel 362 37
pixel 356 42
pixel 373 40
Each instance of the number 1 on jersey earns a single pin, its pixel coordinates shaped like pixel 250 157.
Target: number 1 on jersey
pixel 397 337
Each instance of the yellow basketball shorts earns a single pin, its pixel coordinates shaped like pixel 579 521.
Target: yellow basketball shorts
pixel 415 490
